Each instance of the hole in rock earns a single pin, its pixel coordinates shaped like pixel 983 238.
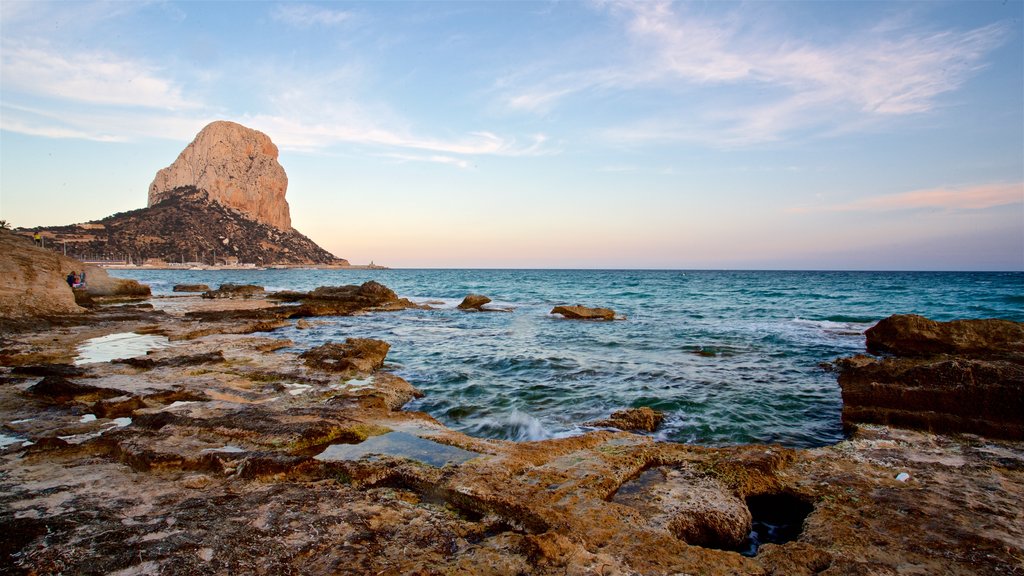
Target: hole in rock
pixel 777 519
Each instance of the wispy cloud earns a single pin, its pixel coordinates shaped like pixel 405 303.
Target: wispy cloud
pixel 88 77
pixel 887 70
pixel 307 15
pixel 975 197
pixel 433 158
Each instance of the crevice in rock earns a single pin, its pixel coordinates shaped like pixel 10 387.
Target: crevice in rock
pixel 776 519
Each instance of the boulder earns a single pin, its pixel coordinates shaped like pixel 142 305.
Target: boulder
pixel 237 167
pixel 356 355
pixel 945 377
pixel 578 312
pixel 643 419
pixel 913 335
pixel 474 302
pixel 191 288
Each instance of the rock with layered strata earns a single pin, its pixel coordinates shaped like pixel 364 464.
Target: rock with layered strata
pixel 237 167
pixel 359 356
pixel 960 376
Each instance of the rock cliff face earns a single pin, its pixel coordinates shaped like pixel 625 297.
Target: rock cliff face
pixel 238 168
pixel 187 226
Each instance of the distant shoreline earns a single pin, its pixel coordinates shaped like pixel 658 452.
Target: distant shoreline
pixel 202 267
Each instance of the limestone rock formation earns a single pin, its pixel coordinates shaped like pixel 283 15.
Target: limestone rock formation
pixel 960 376
pixel 474 302
pixel 578 312
pixel 238 168
pixel 32 280
pixel 913 335
pixel 645 419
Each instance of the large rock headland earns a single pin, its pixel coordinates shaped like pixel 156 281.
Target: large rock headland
pixel 236 166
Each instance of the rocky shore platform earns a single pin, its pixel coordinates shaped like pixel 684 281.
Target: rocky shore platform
pixel 222 451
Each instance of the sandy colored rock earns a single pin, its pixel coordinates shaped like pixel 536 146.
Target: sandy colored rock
pixel 578 312
pixel 473 302
pixel 913 335
pixel 960 376
pixel 33 280
pixel 237 167
pixel 355 355
pixel 645 419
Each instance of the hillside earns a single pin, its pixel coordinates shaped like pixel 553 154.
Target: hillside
pixel 186 226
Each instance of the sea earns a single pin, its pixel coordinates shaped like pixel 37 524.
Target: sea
pixel 731 357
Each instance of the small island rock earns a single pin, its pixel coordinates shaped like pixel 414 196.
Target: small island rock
pixel 474 302
pixel 578 312
pixel 644 419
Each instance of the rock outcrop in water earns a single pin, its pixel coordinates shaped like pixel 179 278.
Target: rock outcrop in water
pixel 473 302
pixel 644 419
pixel 236 166
pixel 960 376
pixel 578 312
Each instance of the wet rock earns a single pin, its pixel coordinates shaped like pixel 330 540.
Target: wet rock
pixel 578 312
pixel 65 370
pixel 287 296
pixel 346 300
pixel 643 419
pixel 355 355
pixel 235 291
pixel 183 360
pixel 913 335
pixel 60 389
pixel 190 288
pixel 474 302
pixel 118 406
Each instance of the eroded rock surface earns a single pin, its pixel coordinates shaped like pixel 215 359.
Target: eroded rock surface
pixel 235 291
pixel 209 466
pixel 236 166
pixel 961 376
pixel 644 419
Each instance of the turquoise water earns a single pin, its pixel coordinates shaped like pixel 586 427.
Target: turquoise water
pixel 731 357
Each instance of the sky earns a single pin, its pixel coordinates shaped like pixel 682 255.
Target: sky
pixel 601 134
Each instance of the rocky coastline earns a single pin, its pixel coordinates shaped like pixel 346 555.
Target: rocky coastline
pixel 220 451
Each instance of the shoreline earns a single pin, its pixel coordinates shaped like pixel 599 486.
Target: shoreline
pixel 258 455
pixel 200 267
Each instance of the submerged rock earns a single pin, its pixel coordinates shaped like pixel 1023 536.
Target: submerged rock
pixel 645 419
pixel 578 312
pixel 960 376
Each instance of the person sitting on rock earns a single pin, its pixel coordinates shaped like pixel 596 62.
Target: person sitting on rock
pixel 81 280
pixel 71 279
pixel 38 239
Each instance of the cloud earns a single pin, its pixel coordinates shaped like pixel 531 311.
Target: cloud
pixel 307 16
pixel 88 77
pixel 976 197
pixel 791 84
pixel 435 158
